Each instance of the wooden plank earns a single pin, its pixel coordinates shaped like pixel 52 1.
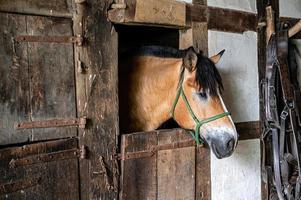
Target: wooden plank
pixel 57 8
pixel 97 99
pixel 139 176
pixel 38 79
pixel 222 19
pixel 168 173
pixel 261 42
pixel 166 13
pixel 161 12
pixel 231 21
pixel 51 176
pixel 14 76
pixel 248 130
pixel 51 69
pixel 175 168
pixel 141 12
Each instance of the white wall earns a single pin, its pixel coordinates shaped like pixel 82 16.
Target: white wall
pixel 244 5
pixel 239 71
pixel 290 8
pixel 237 177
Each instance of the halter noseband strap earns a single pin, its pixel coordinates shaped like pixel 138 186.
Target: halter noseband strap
pixel 198 122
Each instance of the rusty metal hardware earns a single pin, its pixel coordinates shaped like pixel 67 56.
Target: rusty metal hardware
pixel 19 185
pixel 49 157
pixel 152 151
pixel 80 1
pixel 78 40
pixel 83 152
pixel 118 6
pixel 80 122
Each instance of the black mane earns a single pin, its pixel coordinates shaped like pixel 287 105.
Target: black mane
pixel 207 75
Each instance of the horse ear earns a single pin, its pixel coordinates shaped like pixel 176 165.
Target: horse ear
pixel 190 59
pixel 217 57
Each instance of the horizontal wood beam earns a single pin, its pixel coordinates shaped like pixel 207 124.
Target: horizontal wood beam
pixel 172 15
pixel 231 20
pixel 292 22
pixel 222 19
pixel 55 8
pixel 248 130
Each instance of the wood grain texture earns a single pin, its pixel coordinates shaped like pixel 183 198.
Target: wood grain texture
pixel 139 176
pixel 248 130
pixel 160 12
pixel 231 21
pixel 58 8
pixel 38 78
pixel 167 174
pixel 157 13
pixel 14 76
pixel 97 99
pixel 175 168
pixel 52 84
pixel 51 176
pixel 261 45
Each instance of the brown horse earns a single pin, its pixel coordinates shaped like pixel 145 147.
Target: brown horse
pixel 158 83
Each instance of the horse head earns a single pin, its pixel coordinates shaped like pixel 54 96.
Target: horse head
pixel 199 106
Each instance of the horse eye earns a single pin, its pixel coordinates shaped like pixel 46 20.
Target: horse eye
pixel 202 95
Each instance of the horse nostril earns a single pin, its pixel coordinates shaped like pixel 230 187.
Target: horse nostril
pixel 230 144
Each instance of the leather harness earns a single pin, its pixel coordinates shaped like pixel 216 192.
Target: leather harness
pixel 282 125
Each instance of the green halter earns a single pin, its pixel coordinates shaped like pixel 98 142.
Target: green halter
pixel 198 122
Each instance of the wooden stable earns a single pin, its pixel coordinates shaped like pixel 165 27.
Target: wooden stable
pixel 59 131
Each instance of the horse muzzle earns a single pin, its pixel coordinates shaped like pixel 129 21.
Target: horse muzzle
pixel 222 143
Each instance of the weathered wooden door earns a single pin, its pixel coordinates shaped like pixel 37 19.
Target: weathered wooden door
pixel 38 126
pixel 162 165
pixel 58 66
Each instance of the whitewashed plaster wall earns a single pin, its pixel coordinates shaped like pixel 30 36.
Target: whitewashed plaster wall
pixel 239 176
pixel 239 70
pixel 290 8
pixel 244 5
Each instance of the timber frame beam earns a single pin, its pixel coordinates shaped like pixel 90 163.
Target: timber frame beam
pixel 179 15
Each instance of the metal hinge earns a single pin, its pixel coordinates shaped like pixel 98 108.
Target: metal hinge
pixel 152 151
pixel 78 40
pixel 80 122
pixel 19 185
pixel 49 157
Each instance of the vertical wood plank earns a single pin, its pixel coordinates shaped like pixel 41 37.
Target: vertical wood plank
pixel 261 9
pixel 97 99
pixel 176 168
pixel 139 176
pixel 203 167
pixel 51 69
pixel 14 86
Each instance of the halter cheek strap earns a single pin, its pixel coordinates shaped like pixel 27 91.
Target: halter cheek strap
pixel 199 123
